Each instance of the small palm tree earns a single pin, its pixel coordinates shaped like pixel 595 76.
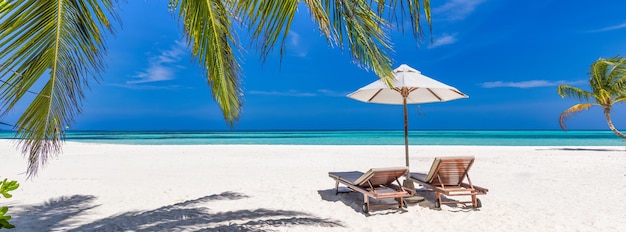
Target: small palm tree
pixel 61 44
pixel 608 86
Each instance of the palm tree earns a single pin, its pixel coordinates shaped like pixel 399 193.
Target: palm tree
pixel 608 86
pixel 61 43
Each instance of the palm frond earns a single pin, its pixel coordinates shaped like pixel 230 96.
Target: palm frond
pixel 4 6
pixel 620 80
pixel 613 64
pixel 618 99
pixel 362 31
pixel 608 78
pixel 396 10
pixel 58 44
pixel 598 75
pixel 574 92
pixel 268 21
pixel 207 26
pixel 347 23
pixel 572 110
pixel 319 13
pixel 617 74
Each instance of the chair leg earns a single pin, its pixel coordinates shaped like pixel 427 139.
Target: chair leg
pixel 401 202
pixel 474 201
pixel 438 202
pixel 366 204
pixel 336 187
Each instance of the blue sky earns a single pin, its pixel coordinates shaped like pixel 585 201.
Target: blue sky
pixel 508 56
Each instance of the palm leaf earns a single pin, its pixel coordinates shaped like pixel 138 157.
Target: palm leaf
pixel 268 21
pixel 4 5
pixel 347 23
pixel 608 77
pixel 57 44
pixel 574 92
pixel 619 99
pixel 397 10
pixel 597 73
pixel 209 31
pixel 362 31
pixel 618 74
pixel 572 110
pixel 319 13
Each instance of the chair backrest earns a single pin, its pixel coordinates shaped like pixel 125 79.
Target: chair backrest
pixel 380 176
pixel 449 170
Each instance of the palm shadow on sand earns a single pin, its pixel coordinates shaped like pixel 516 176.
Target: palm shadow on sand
pixel 54 213
pixel 191 215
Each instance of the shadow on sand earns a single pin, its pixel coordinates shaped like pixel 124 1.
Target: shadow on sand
pixel 54 213
pixel 583 149
pixel 430 198
pixel 191 215
pixel 354 200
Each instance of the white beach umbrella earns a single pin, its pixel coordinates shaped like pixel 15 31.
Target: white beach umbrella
pixel 409 87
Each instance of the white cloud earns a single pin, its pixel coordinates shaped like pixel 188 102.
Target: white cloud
pixel 297 93
pixel 142 87
pixel 294 38
pixel 330 93
pixel 290 93
pixel 445 39
pixel 611 28
pixel 295 46
pixel 161 67
pixel 528 84
pixel 456 9
pixel 156 72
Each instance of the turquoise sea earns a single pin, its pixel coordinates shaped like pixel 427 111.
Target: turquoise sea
pixel 377 137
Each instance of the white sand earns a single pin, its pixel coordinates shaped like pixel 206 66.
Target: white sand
pixel 287 188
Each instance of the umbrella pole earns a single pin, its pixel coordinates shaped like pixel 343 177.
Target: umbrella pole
pixel 408 183
pixel 406 133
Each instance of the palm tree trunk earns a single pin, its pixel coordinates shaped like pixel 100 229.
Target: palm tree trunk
pixel 607 114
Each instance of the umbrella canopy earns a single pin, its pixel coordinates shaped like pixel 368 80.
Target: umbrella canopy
pixel 409 87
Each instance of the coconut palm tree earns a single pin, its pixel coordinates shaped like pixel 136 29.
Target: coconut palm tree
pixel 608 86
pixel 60 44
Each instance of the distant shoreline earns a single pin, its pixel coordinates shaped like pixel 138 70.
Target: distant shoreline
pixel 350 137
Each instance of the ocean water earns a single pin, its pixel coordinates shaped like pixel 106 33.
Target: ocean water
pixel 378 137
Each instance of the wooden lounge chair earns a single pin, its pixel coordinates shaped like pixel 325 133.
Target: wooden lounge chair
pixel 447 176
pixel 377 183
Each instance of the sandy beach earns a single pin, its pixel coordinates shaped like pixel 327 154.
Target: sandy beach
pixel 103 187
